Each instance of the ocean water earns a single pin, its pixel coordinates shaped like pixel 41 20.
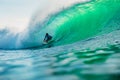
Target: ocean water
pixel 85 45
pixel 85 60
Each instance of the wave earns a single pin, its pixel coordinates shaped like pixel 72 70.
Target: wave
pixel 76 22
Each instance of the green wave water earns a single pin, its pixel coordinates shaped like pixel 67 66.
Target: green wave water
pixel 77 22
pixel 82 21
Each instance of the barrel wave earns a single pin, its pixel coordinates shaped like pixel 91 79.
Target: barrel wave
pixel 80 21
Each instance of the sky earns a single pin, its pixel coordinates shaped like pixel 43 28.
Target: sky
pixel 17 13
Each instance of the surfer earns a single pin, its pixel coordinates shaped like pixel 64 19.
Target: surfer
pixel 47 38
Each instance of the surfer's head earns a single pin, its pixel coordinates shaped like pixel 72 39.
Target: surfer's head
pixel 47 34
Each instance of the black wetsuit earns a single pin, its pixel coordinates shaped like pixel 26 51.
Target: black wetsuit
pixel 47 37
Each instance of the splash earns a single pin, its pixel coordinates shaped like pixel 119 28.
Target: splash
pixel 76 22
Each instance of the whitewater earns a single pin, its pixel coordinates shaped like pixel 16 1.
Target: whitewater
pixel 85 43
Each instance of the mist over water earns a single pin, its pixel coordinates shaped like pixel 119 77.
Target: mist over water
pixel 21 35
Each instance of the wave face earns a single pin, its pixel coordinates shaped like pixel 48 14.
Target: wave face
pixel 77 22
pixel 74 23
pixel 82 21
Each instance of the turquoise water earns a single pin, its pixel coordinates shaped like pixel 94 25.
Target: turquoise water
pixel 85 45
pixel 78 22
pixel 85 60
